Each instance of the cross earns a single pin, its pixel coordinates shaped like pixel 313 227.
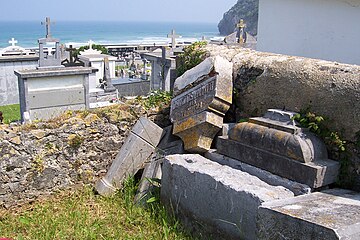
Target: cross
pixel 241 25
pixel 173 37
pixel 47 23
pixel 71 51
pixel 90 44
pixel 13 42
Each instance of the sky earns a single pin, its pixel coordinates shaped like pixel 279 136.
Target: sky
pixel 115 10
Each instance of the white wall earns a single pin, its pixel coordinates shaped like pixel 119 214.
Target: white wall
pixel 9 93
pixel 324 29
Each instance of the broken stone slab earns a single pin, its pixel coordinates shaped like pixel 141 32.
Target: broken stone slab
pixel 168 145
pixel 328 215
pixel 134 154
pixel 216 199
pixel 202 97
pixel 274 144
pixel 272 179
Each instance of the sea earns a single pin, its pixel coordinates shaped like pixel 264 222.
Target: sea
pixel 79 33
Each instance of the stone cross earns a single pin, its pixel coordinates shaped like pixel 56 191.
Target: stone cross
pixel 13 42
pixel 173 37
pixel 71 51
pixel 90 44
pixel 47 23
pixel 241 26
pixel 109 87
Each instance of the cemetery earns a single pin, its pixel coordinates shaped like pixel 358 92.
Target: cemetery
pixel 243 145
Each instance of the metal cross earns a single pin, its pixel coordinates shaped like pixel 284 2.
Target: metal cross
pixel 173 37
pixel 47 23
pixel 13 42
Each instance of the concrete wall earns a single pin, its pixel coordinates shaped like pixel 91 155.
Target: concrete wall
pixel 324 29
pixel 9 93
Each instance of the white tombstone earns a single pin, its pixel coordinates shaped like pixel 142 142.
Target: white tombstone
pixel 94 58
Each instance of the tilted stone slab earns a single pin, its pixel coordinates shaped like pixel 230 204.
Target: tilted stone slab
pixel 328 215
pixel 216 199
pixel 134 154
pixel 202 97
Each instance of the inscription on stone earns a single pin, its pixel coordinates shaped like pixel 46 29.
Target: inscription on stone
pixel 197 113
pixel 190 103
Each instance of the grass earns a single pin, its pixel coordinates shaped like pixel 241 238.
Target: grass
pixel 83 215
pixel 11 113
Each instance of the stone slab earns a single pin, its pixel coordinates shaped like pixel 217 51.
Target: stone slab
pixel 135 153
pixel 314 174
pixel 216 199
pixel 269 178
pixel 328 215
pixel 202 97
pixel 56 97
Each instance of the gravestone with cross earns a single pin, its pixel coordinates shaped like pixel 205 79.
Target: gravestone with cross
pixel 49 59
pixel 108 86
pixel 173 37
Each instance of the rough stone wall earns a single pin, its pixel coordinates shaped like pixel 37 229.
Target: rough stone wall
pixel 76 148
pixel 330 89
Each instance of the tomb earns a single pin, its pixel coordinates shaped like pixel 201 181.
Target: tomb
pixel 274 143
pixel 202 97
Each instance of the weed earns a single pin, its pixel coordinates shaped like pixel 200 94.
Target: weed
pixel 157 98
pixel 191 57
pixel 11 113
pixel 37 164
pixel 75 141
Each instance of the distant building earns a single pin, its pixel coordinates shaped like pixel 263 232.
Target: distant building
pixel 324 29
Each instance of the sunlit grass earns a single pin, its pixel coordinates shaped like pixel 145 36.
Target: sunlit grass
pixel 84 215
pixel 10 113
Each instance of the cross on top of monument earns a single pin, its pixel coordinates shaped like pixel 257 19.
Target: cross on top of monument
pixel 173 37
pixel 241 24
pixel 90 44
pixel 47 24
pixel 13 42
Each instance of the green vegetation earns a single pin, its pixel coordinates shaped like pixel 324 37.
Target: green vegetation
pixel 317 125
pixel 81 214
pixel 336 146
pixel 157 98
pixel 191 57
pixel 103 49
pixel 11 113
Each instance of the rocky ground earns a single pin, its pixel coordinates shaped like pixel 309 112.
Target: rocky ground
pixel 76 148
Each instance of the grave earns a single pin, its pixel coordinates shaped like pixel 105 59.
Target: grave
pixel 274 143
pixel 327 215
pixel 50 89
pixel 202 97
pixel 163 69
pixel 49 59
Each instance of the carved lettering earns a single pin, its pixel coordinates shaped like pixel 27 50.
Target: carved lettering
pixel 194 101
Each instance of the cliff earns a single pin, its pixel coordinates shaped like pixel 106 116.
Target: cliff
pixel 243 9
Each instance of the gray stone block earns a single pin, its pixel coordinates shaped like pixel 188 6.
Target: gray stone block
pixel 314 174
pixel 272 179
pixel 136 152
pixel 218 200
pixel 329 215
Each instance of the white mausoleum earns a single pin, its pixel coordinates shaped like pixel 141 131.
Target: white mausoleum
pixel 324 29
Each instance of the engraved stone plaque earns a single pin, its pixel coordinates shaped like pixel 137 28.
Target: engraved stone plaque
pixel 197 111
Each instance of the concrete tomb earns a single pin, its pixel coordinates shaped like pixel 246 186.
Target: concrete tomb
pixel 202 97
pixel 328 215
pixel 216 199
pixel 51 89
pixel 137 150
pixel 274 143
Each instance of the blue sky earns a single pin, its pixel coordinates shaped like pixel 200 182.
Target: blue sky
pixel 116 10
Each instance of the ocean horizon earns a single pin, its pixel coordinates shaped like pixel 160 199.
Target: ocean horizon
pixel 78 33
